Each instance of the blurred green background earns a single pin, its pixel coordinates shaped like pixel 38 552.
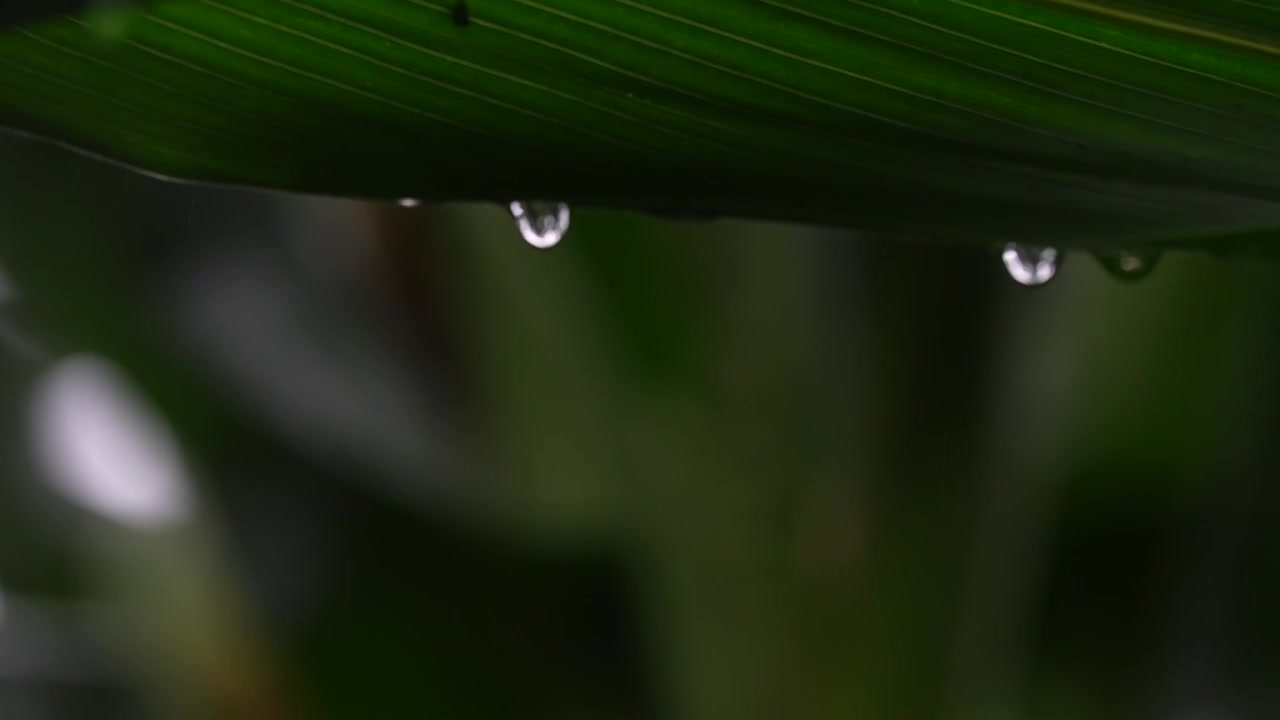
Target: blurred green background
pixel 357 461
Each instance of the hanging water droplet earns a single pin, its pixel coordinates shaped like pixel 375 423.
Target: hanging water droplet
pixel 541 224
pixel 1130 264
pixel 408 202
pixel 1030 265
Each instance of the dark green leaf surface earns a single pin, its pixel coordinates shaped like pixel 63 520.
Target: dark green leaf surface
pixel 1093 122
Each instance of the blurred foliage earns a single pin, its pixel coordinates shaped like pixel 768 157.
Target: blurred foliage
pixel 669 469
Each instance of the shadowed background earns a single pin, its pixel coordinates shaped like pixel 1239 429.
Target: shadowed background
pixel 267 456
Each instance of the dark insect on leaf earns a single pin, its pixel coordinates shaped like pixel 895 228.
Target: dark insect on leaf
pixel 461 14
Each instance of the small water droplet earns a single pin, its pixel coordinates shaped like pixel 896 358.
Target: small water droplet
pixel 408 202
pixel 1130 264
pixel 541 224
pixel 1030 265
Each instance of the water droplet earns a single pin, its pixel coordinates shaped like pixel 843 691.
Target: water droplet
pixel 408 202
pixel 1030 265
pixel 1130 264
pixel 541 224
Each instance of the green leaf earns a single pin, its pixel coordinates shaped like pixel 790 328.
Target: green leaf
pixel 1099 123
pixel 18 11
